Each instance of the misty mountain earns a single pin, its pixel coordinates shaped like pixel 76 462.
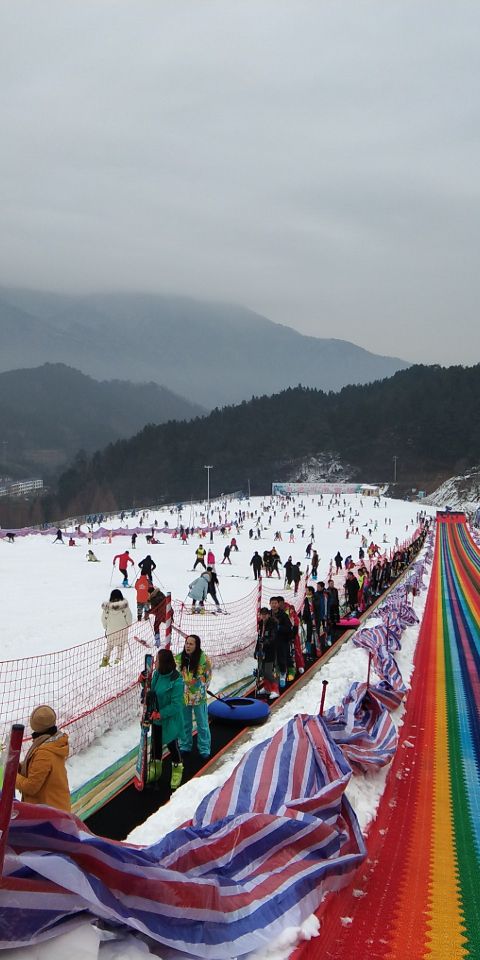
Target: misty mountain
pixel 427 417
pixel 213 353
pixel 50 412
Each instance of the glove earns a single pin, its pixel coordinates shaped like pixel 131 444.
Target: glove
pixel 155 715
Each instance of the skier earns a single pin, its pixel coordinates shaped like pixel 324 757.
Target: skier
pixel 315 561
pixel 200 555
pixel 134 540
pixel 91 557
pixel 59 537
pixel 198 590
pixel 210 558
pixel 123 560
pixel 141 587
pixel 147 566
pixel 256 563
pixel 116 619
pixel 212 588
pixel 196 671
pixel 166 714
pixel 338 560
pixel 233 544
pixel 226 554
pixel 157 608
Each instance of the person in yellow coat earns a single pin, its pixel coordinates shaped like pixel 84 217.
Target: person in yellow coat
pixel 42 776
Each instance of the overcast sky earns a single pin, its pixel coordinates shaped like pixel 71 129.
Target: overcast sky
pixel 316 161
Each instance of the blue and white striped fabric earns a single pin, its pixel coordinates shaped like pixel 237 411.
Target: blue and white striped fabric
pixel 363 728
pixel 260 854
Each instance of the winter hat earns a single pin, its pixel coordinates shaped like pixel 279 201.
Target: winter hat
pixel 43 718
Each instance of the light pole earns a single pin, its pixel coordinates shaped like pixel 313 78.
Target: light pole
pixel 208 467
pixel 248 481
pixel 395 469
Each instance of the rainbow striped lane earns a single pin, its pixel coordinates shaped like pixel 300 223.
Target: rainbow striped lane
pixel 419 896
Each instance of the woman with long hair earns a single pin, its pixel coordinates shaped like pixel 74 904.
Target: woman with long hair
pixel 196 670
pixel 166 710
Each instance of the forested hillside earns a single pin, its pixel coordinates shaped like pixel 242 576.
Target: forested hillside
pixel 429 417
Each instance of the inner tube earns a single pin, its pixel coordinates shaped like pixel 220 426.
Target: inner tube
pixel 244 711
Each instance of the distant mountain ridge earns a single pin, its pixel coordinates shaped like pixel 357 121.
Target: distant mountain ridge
pixel 214 354
pixel 48 413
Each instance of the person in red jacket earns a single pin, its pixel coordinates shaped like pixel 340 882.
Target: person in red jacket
pixel 141 586
pixel 123 560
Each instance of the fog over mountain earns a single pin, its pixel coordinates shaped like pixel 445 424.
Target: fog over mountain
pixel 212 353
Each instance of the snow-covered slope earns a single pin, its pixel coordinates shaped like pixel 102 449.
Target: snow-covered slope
pixel 461 493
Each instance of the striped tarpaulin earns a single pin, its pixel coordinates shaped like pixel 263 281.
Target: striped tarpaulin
pixel 259 855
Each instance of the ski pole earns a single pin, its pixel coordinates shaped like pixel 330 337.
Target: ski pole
pixel 324 693
pixel 220 699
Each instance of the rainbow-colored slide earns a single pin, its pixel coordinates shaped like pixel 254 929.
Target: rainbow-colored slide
pixel 418 896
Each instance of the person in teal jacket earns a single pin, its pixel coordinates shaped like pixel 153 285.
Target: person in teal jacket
pixel 166 700
pixel 196 671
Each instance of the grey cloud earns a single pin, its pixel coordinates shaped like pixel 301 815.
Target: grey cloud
pixel 318 162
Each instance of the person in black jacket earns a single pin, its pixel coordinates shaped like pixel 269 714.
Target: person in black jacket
pixel 288 566
pixel 352 587
pixel 333 610
pixel 257 564
pixel 147 566
pixel 338 560
pixel 266 654
pixel 296 576
pixel 284 637
pixel 212 588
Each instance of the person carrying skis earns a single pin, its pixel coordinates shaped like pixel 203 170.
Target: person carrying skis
pixel 116 619
pixel 147 566
pixel 197 591
pixel 266 654
pixel 165 711
pixel 123 560
pixel 196 671
pixel 256 563
pixel 200 555
pixel 141 587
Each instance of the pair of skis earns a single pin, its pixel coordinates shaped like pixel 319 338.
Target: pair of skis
pixel 141 766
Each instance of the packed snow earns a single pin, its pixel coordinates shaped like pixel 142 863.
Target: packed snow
pixel 61 608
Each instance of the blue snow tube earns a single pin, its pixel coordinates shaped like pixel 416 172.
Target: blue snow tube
pixel 246 711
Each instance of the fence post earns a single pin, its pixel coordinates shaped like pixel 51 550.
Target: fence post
pixel 8 788
pixel 168 621
pixel 324 693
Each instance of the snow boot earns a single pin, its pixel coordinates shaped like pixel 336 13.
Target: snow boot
pixel 291 675
pixel 177 775
pixel 105 661
pixel 154 771
pixel 125 583
pixel 282 681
